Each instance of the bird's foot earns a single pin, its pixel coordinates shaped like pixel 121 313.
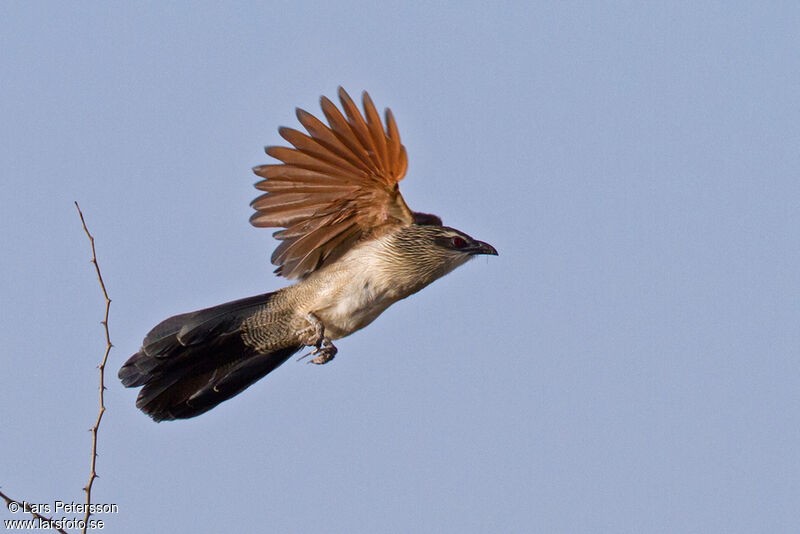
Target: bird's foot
pixel 326 352
pixel 314 334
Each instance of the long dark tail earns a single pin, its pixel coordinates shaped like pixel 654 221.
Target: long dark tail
pixel 189 363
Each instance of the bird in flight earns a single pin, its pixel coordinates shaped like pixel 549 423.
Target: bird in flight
pixel 347 236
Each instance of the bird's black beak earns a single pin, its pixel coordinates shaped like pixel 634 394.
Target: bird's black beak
pixel 479 247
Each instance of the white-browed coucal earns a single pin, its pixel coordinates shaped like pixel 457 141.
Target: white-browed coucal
pixel 348 237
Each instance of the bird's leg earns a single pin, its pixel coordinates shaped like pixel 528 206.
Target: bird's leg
pixel 314 335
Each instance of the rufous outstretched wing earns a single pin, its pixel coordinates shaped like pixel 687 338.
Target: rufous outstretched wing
pixel 334 188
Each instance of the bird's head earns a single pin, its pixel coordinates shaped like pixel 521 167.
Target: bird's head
pixel 457 245
pixel 427 252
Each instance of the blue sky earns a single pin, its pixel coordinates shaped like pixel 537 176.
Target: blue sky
pixel 629 363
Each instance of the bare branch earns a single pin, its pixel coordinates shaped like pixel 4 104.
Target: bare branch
pixel 101 367
pixel 24 506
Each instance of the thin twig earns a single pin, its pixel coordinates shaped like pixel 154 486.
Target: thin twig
pixel 25 507
pixel 102 367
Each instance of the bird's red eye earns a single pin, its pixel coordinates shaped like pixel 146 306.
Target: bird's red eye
pixel 459 242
